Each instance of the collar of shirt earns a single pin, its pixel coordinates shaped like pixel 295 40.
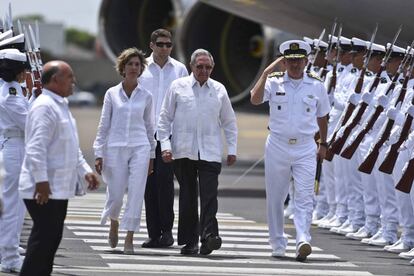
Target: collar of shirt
pixel 305 78
pixel 151 62
pixel 54 96
pixel 194 82
pixel 123 93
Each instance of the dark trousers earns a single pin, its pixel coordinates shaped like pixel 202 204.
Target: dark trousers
pixel 189 226
pixel 45 236
pixel 159 197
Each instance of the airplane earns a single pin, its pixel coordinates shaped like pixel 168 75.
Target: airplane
pixel 243 35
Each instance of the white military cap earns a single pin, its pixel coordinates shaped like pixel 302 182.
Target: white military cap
pixel 376 49
pixel 396 51
pixel 13 42
pixel 13 54
pixel 345 44
pixel 334 39
pixel 294 49
pixel 6 34
pixel 309 40
pixel 411 51
pixel 358 45
pixel 322 44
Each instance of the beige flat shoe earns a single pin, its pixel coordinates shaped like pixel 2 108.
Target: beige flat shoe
pixel 113 234
pixel 128 248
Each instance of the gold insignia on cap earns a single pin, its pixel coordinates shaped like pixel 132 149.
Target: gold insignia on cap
pixel 294 46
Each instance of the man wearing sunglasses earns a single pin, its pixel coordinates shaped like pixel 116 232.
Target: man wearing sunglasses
pixel 196 110
pixel 159 194
pixel 299 106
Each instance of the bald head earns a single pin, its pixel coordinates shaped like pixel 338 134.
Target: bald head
pixel 58 77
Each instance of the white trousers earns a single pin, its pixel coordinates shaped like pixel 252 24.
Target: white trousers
pixel 341 189
pixel 281 161
pixel 404 202
pixel 11 222
pixel 125 169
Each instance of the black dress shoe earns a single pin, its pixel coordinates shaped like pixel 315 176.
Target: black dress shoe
pixel 151 243
pixel 210 244
pixel 189 249
pixel 166 239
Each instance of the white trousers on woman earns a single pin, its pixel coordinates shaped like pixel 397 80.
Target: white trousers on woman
pixel 11 222
pixel 281 161
pixel 125 169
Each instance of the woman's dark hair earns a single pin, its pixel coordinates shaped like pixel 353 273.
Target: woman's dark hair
pixel 9 69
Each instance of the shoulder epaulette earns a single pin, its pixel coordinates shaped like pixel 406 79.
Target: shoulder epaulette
pixel 383 80
pixel 314 76
pixel 12 91
pixel 354 70
pixel 368 73
pixel 341 69
pixel 401 81
pixel 276 74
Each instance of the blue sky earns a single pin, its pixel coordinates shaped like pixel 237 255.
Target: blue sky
pixel 82 14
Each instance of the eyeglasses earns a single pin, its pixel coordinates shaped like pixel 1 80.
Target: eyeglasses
pixel 201 67
pixel 162 44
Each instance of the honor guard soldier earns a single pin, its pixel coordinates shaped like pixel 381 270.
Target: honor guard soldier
pixel 298 109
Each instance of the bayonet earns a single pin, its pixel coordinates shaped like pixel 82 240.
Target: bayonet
pixel 369 49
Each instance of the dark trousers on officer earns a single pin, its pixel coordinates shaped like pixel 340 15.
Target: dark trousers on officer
pixel 159 197
pixel 45 236
pixel 189 226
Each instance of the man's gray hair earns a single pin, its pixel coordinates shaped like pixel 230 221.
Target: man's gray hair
pixel 200 52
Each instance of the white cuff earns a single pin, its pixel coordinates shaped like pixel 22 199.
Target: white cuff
pixel 165 145
pixel 40 176
pixel 383 101
pixel 367 97
pixel 355 98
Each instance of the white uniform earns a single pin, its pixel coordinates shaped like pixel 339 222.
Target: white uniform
pixel 13 112
pixel 291 150
pixel 125 141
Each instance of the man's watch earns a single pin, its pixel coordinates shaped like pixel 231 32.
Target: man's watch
pixel 323 144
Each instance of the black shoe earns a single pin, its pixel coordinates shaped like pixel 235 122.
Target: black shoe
pixel 166 239
pixel 210 244
pixel 151 243
pixel 189 249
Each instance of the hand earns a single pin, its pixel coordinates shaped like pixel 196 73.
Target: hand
pixel 151 167
pixel 321 153
pixel 269 69
pixel 93 182
pixel 98 165
pixel 167 156
pixel 231 159
pixel 42 192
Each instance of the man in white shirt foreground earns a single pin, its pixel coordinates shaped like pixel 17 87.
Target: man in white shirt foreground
pixel 50 167
pixel 195 111
pixel 299 106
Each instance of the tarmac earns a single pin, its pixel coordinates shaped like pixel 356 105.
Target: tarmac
pixel 244 179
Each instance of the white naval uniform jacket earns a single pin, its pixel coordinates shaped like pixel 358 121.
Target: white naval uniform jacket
pixel 157 80
pixel 125 122
pixel 52 148
pixel 294 111
pixel 13 109
pixel 195 116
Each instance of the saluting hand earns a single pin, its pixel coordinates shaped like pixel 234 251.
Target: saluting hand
pixel 98 165
pixel 93 182
pixel 231 159
pixel 42 192
pixel 269 69
pixel 167 156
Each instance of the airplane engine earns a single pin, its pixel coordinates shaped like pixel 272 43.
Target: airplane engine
pixel 240 47
pixel 129 23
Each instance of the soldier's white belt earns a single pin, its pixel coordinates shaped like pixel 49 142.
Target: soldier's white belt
pixel 293 140
pixel 9 133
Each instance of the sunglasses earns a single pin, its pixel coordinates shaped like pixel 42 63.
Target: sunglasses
pixel 162 44
pixel 207 67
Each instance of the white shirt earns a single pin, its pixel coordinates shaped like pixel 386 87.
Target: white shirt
pixel 125 122
pixel 293 111
pixel 13 107
pixel 196 116
pixel 52 148
pixel 157 80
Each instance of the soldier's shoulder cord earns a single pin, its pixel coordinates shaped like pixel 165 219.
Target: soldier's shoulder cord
pixel 276 74
pixel 314 76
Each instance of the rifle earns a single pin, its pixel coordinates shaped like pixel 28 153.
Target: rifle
pixel 406 181
pixel 310 64
pixel 338 144
pixel 332 82
pixel 350 107
pixel 33 65
pixel 349 151
pixel 368 164
pixel 325 65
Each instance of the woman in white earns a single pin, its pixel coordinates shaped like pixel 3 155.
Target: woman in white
pixel 125 147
